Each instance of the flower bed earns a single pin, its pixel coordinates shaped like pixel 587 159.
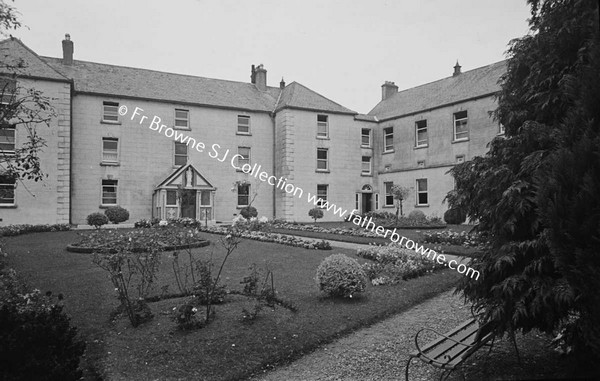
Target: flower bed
pixel 270 237
pixel 454 238
pixel 170 238
pixel 360 232
pixel 392 264
pixel 12 230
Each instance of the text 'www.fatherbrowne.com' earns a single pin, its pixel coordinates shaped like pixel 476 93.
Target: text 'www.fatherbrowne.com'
pixel 216 152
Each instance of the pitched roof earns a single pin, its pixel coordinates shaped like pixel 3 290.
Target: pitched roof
pixel 96 78
pixel 14 53
pixel 470 84
pixel 299 96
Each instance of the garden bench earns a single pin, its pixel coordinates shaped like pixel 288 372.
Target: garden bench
pixel 450 350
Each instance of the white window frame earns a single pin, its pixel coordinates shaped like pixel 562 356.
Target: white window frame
pixel 368 170
pixel 388 132
pixel 167 198
pixel 239 194
pixel 5 187
pixel 387 189
pixel 246 158
pixel 109 152
pixel 180 119
pixel 422 142
pixel 321 200
pixel 322 125
pixel 112 114
pixel 9 152
pixel 325 160
pixel 367 135
pixel 462 121
pixel 176 155
pixel 116 192
pixel 419 192
pixel 243 125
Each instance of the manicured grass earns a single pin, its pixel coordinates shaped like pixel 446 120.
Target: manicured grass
pixel 227 348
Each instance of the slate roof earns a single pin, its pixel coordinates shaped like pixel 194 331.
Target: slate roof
pixel 13 51
pixel 299 96
pixel 470 84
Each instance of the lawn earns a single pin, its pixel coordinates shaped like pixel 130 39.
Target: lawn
pixel 227 348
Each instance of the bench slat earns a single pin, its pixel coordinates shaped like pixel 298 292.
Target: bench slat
pixel 452 349
pixel 430 345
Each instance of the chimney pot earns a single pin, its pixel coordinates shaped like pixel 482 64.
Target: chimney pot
pixel 388 89
pixel 456 69
pixel 67 46
pixel 260 77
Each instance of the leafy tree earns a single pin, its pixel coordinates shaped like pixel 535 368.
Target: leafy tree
pixel 536 191
pixel 400 194
pixel 315 213
pixel 21 109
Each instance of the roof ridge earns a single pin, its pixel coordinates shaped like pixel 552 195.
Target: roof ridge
pixel 12 38
pixel 321 95
pixel 157 71
pixel 445 78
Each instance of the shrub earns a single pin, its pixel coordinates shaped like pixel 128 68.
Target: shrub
pixel 315 213
pixel 143 223
pixel 323 245
pixel 417 215
pixel 455 216
pixel 116 214
pixel 13 230
pixel 249 212
pixel 97 219
pixel 340 275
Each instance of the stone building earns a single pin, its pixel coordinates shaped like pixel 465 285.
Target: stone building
pixel 168 145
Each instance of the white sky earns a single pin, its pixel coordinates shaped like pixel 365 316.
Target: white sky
pixel 344 50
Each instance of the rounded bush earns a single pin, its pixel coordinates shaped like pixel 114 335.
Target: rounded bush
pixel 455 216
pixel 249 212
pixel 341 276
pixel 116 214
pixel 97 219
pixel 417 215
pixel 315 213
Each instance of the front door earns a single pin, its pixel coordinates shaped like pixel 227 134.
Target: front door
pixel 366 202
pixel 188 203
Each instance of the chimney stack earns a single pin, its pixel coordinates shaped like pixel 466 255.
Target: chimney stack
pixel 456 69
pixel 388 89
pixel 282 83
pixel 260 77
pixel 67 46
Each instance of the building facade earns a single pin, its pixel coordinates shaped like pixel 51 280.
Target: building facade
pixel 168 145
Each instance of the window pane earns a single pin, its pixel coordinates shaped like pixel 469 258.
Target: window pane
pixel 111 111
pixel 422 185
pixel 181 114
pixel 422 198
pixel 243 124
pixel 180 148
pixel 205 198
pixel 7 138
pixel 322 154
pixel 171 197
pixel 109 192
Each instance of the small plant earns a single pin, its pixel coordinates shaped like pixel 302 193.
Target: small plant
pixel 400 194
pixel 417 215
pixel 143 223
pixel 187 317
pixel 117 214
pixel 316 213
pixel 97 220
pixel 323 245
pixel 249 212
pixel 340 276
pixel 455 216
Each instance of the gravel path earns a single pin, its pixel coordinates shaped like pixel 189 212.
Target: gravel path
pixel 380 351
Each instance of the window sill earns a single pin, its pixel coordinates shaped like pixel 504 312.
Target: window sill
pixel 241 206
pixel 102 121
pixel 8 206
pixel 460 140
pixel 420 147
pixel 422 206
pixel 182 128
pixel 109 164
pixel 364 146
pixel 366 174
pixel 323 137
pixel 243 133
pixel 322 171
pixel 388 206
pixel 102 206
pixel 386 152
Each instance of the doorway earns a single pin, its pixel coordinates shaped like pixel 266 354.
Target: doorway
pixel 188 203
pixel 366 202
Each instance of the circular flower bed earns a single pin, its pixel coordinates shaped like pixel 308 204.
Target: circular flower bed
pixel 168 238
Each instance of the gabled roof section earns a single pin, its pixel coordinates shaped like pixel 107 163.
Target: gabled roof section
pixel 15 53
pixel 470 84
pixel 180 178
pixel 103 79
pixel 301 97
